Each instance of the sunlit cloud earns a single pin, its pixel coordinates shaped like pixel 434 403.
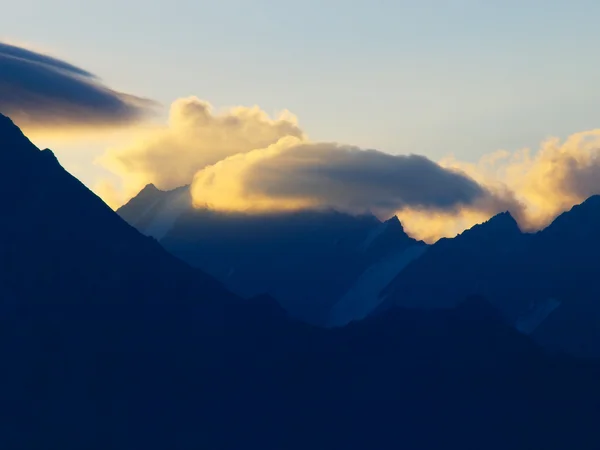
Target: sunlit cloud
pixel 196 136
pixel 40 92
pixel 292 174
pixel 548 181
pixel 241 159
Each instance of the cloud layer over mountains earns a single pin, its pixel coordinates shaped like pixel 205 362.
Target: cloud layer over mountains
pixel 194 138
pixel 242 159
pixel 40 91
pixel 292 174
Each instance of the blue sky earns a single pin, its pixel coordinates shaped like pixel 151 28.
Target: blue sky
pixel 431 77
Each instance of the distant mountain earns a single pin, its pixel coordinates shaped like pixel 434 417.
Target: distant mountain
pixel 154 212
pixel 324 267
pixel 474 262
pixel 545 283
pixel 109 342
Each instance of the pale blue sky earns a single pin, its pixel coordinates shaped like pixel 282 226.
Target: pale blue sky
pixel 430 77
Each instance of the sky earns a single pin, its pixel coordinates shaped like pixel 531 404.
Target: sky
pixel 450 80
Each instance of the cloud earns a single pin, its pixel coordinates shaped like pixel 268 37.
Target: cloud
pixel 242 160
pixel 293 174
pixel 39 91
pixel 544 183
pixel 195 137
pixel 548 181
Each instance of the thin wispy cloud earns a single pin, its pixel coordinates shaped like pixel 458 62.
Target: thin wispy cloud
pixel 40 91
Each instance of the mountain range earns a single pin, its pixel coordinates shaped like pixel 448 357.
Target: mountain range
pixel 324 267
pixel 109 341
pixel 544 283
pixel 329 268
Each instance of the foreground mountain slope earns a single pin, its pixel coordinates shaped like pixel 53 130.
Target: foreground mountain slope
pixel 139 361
pixel 308 260
pixel 60 242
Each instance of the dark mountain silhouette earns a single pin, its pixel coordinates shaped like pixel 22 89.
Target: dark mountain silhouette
pixel 60 241
pixel 308 260
pixel 107 341
pixel 544 283
pixel 473 263
pixel 565 255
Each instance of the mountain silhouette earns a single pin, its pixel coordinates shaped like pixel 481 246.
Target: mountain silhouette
pixel 62 242
pixel 108 341
pixel 315 263
pixel 544 283
pixel 472 263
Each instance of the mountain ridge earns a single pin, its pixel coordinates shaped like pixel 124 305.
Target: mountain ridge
pixel 318 255
pixel 108 341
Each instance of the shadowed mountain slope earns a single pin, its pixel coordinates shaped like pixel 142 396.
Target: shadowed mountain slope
pixel 108 342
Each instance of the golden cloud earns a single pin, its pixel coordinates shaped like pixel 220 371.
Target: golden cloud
pixel 293 174
pixel 243 160
pixel 195 137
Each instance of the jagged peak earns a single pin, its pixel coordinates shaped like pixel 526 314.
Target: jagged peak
pixel 7 126
pixel 13 143
pixel 394 221
pixel 501 224
pixel 504 218
pixel 503 221
pixel 5 120
pixel 150 187
pixel 394 225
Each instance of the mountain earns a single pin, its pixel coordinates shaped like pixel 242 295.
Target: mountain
pixel 154 212
pixel 566 257
pixel 107 341
pixel 62 242
pixel 412 379
pixel 363 296
pixel 545 284
pixel 473 262
pixel 325 267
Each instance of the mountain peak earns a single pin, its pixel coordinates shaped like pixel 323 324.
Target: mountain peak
pixel 394 225
pixel 394 222
pixel 5 120
pixel 8 127
pixel 13 143
pixel 149 188
pixel 502 223
pixel 504 218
